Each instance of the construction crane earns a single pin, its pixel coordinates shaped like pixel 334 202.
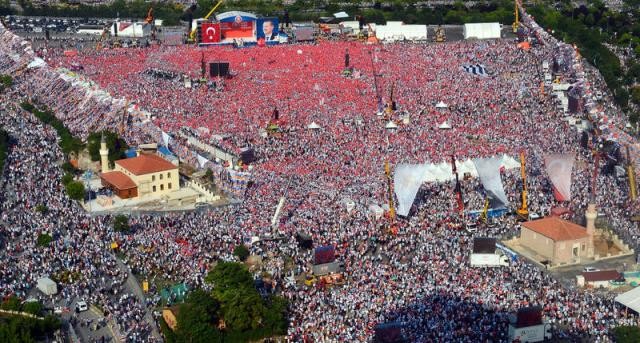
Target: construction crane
pixel 516 22
pixel 485 211
pixel 192 34
pixel 149 18
pixel 632 176
pixel 523 211
pixel 392 209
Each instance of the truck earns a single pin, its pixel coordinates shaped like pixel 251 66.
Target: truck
pixel 489 260
pixel 526 334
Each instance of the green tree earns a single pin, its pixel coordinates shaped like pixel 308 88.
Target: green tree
pixel 627 334
pixel 635 95
pixel 116 145
pixel 121 223
pixel 75 190
pixel 66 179
pixel 228 276
pixel 44 239
pixel 33 307
pixel 12 303
pixel 42 208
pixel 241 252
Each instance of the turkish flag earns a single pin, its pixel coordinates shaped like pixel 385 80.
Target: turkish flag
pixel 210 32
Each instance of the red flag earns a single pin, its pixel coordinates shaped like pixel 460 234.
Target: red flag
pixel 210 32
pixel 557 195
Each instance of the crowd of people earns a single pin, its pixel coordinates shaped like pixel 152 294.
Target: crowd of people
pixel 420 277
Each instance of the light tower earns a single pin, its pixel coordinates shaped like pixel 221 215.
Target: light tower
pixel 104 155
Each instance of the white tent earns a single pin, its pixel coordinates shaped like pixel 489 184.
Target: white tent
pixel 482 30
pixel 341 15
pixel 441 104
pixel 630 299
pixel 313 126
pixel 47 286
pixel 36 63
pixel 349 204
pixel 444 126
pixel 391 125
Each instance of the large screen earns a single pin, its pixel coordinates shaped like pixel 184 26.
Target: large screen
pixel 267 29
pixel 238 28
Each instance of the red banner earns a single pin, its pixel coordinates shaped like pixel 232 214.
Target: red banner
pixel 210 32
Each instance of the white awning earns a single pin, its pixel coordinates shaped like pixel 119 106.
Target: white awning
pixel 630 299
pixel 341 15
pixel 313 126
pixel 391 125
pixel 441 104
pixel 444 126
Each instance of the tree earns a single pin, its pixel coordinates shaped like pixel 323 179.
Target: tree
pixel 635 95
pixel 75 190
pixel 121 223
pixel 42 208
pixel 208 175
pixel 33 307
pixel 241 252
pixel 66 179
pixel 44 240
pixel 116 145
pixel 12 303
pixel 627 334
pixel 228 276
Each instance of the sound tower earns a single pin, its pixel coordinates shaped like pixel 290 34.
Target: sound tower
pixel 219 69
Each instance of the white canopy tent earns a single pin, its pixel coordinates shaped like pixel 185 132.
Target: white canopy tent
pixel 630 299
pixel 47 286
pixel 444 126
pixel 313 126
pixel 441 104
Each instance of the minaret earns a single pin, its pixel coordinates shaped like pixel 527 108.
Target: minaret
pixel 104 155
pixel 591 214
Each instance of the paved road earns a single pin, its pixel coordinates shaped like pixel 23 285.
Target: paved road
pixel 134 287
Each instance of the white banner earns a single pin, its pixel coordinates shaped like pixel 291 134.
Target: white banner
pixel 166 138
pixel 201 160
pixel 489 172
pixel 559 167
pixel 406 183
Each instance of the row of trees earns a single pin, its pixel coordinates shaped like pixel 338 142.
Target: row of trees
pixel 20 329
pixel 68 143
pixel 408 11
pixel 234 301
pixel 590 43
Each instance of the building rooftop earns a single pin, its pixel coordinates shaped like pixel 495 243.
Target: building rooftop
pixel 146 164
pixel 119 180
pixel 603 275
pixel 557 229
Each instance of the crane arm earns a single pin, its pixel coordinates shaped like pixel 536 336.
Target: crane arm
pixel 206 17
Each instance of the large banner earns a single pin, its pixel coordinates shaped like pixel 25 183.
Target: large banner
pixel 407 179
pixel 559 167
pixel 267 29
pixel 489 172
pixel 210 32
pixel 238 28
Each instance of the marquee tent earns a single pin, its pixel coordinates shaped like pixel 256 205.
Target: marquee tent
pixel 441 104
pixel 444 126
pixel 481 30
pixel 313 126
pixel 630 299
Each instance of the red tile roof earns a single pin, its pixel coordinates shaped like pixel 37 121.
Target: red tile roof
pixel 146 164
pixel 557 229
pixel 118 179
pixel 603 275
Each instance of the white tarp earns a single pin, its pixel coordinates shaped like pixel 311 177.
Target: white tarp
pixel 630 299
pixel 47 286
pixel 407 179
pixel 341 15
pixel 393 32
pixel 376 210
pixel 559 167
pixel 36 63
pixel 489 172
pixel 481 30
pixel 313 126
pixel 391 125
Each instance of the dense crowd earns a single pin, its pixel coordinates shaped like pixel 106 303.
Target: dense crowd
pixel 420 277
